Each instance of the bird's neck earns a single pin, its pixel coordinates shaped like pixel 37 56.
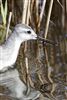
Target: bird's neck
pixel 13 40
pixel 11 46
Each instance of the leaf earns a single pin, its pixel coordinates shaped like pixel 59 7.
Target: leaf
pixel 2 11
pixel 5 11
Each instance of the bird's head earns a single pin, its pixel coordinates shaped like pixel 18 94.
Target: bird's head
pixel 25 32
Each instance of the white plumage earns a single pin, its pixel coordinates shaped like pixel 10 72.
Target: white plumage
pixel 16 88
pixel 8 55
pixel 9 50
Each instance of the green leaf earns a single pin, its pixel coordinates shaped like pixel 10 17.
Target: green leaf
pixel 5 11
pixel 2 11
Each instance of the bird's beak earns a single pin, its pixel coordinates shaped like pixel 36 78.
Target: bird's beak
pixel 45 40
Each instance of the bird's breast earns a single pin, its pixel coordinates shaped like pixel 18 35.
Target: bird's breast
pixel 8 55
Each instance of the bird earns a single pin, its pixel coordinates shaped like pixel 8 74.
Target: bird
pixel 15 87
pixel 10 48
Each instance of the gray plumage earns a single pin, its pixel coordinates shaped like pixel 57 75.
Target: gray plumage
pixel 8 55
pixel 16 87
pixel 9 50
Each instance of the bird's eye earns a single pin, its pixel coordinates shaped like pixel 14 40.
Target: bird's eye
pixel 29 32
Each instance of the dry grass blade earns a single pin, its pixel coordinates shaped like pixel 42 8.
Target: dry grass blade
pixel 25 20
pixel 63 15
pixel 28 12
pixel 5 10
pixel 37 13
pixel 46 32
pixel 31 8
pixel 66 5
pixel 24 13
pixel 60 4
pixel 37 3
pixel 48 18
pixel 42 12
pixel 32 3
pixel 49 68
pixel 9 20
